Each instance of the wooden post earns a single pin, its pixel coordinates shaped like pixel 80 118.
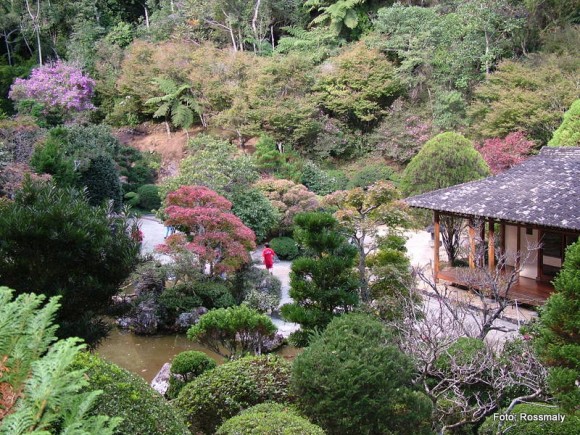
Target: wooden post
pixel 436 231
pixel 491 245
pixel 540 256
pixel 518 249
pixel 471 234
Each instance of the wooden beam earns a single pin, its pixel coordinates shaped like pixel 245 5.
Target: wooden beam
pixel 491 245
pixel 471 234
pixel 436 231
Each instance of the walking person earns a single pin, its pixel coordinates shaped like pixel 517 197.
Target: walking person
pixel 268 255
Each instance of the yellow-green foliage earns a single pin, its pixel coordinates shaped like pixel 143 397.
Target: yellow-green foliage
pixel 568 134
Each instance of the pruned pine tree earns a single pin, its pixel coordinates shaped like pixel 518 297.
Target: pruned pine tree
pixel 39 393
pixel 176 105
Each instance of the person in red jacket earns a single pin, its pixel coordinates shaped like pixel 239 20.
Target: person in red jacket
pixel 268 255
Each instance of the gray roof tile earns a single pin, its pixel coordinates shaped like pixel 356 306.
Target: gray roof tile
pixel 543 190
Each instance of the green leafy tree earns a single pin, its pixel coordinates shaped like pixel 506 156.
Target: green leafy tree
pixel 269 419
pixel 221 393
pixel 559 331
pixel 214 163
pixel 322 283
pixel 530 96
pixel 392 280
pixel 255 211
pixel 351 380
pixel 234 331
pixel 54 242
pixel 341 16
pixel 358 85
pixel 361 212
pixel 39 392
pixel 568 134
pixel 177 104
pixel 446 160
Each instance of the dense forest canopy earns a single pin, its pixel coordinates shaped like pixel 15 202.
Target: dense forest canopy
pixel 330 78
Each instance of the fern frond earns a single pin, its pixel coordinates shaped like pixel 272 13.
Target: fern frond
pixel 162 110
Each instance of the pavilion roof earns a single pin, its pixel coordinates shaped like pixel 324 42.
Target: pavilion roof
pixel 543 190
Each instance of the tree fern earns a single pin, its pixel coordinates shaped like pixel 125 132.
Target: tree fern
pixel 177 104
pixel 38 391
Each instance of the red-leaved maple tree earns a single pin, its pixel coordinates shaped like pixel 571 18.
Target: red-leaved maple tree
pixel 208 229
pixel 502 154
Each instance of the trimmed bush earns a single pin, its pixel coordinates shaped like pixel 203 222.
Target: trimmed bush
pixel 350 380
pixel 128 396
pixel 521 426
pixel 187 366
pixel 285 247
pixel 223 392
pixel 149 197
pixel 370 174
pixel 269 419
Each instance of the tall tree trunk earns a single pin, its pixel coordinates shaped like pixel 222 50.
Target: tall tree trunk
pixel 255 26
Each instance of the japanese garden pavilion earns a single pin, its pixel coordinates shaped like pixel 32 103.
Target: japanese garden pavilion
pixel 535 207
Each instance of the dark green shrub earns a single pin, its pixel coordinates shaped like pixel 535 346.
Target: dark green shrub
pixel 223 392
pixel 350 380
pixel 187 366
pixel 521 426
pixel 255 211
pixel 317 180
pixel 269 419
pixel 54 242
pixel 370 174
pixel 149 197
pixel 128 396
pixel 178 299
pixel 101 178
pixel 131 199
pixel 285 248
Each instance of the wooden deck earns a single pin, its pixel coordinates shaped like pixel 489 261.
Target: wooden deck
pixel 525 291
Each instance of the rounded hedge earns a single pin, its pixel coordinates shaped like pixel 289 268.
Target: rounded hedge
pixel 521 426
pixel 285 247
pixel 223 392
pixel 351 380
pixel 128 396
pixel 269 419
pixel 149 197
pixel 185 367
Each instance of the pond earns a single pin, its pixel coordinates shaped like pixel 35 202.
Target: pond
pixel 145 355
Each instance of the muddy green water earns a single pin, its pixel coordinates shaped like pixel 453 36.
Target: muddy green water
pixel 145 355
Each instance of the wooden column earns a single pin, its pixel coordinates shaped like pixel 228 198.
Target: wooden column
pixel 471 234
pixel 491 245
pixel 540 256
pixel 518 248
pixel 436 231
pixel 502 238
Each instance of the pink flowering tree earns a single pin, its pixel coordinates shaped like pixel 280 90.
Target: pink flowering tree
pixel 502 154
pixel 58 88
pixel 208 229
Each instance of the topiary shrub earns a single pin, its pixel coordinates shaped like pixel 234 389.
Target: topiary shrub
pixel 285 247
pixel 223 392
pixel 317 180
pixel 522 426
pixel 128 396
pixel 350 380
pixel 131 199
pixel 269 419
pixel 186 367
pixel 370 174
pixel 149 197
